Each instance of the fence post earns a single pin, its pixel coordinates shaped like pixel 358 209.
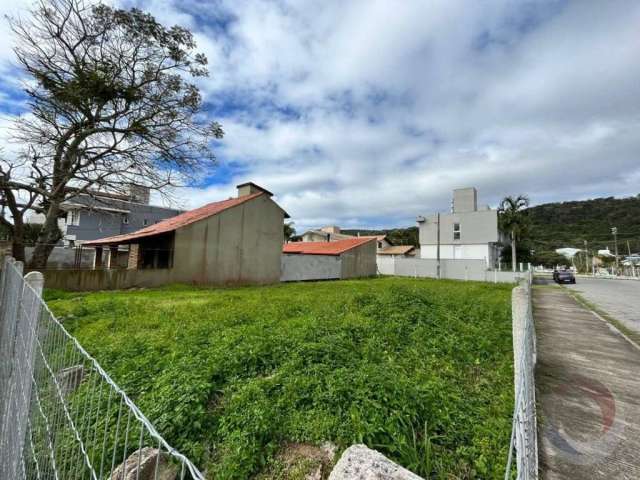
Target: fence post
pixel 9 301
pixel 18 402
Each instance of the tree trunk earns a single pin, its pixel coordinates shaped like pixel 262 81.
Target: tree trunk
pixel 513 250
pixel 17 241
pixel 48 237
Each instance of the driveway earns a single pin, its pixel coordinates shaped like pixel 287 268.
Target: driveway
pixel 619 298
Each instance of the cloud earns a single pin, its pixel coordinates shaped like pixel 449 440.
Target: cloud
pixel 368 113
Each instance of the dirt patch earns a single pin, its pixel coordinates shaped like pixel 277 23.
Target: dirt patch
pixel 302 461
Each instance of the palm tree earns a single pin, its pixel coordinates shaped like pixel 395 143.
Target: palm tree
pixel 513 220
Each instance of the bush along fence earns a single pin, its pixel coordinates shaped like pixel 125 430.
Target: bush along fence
pixel 524 436
pixel 61 415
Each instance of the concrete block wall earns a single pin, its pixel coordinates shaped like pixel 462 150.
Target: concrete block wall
pixel 296 268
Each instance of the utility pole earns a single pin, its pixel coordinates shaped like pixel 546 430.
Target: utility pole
pixel 438 248
pixel 586 257
pixel 614 231
pixel 628 248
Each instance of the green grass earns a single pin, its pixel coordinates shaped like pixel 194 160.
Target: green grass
pixel 418 369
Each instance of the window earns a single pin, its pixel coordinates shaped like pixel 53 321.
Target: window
pixel 73 217
pixel 456 231
pixel 145 222
pixel 125 219
pixel 379 244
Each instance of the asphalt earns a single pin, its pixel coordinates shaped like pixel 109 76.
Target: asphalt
pixel 618 298
pixel 588 392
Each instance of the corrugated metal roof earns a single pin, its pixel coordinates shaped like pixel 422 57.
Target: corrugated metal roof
pixel 325 248
pixel 173 223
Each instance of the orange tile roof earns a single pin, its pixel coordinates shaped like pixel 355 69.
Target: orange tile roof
pixel 173 223
pixel 397 250
pixel 325 248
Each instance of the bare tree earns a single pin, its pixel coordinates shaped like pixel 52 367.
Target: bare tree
pixel 111 105
pixel 17 202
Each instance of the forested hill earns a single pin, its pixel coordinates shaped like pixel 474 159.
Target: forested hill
pixel 568 224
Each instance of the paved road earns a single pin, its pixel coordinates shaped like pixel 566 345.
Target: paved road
pixel 618 298
pixel 588 390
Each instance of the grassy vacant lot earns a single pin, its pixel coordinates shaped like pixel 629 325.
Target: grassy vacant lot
pixel 419 369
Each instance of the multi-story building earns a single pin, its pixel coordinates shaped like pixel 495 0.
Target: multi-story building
pixel 99 215
pixel 467 233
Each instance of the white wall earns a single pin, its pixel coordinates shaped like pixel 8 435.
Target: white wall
pixel 457 252
pixel 450 269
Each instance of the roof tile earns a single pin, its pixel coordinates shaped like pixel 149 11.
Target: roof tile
pixel 173 223
pixel 325 248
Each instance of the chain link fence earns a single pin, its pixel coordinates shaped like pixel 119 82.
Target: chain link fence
pixel 61 416
pixel 524 435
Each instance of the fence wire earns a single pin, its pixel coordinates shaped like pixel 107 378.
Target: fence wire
pixel 61 416
pixel 524 436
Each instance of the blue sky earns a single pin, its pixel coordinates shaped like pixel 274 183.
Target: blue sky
pixel 367 113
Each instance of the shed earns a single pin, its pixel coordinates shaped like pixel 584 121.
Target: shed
pixel 341 259
pixel 234 241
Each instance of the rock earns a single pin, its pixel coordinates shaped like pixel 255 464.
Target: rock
pixel 129 469
pixel 361 463
pixel 70 379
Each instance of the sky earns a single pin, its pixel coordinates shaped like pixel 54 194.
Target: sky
pixel 369 113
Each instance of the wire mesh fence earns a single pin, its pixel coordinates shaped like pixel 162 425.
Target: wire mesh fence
pixel 62 416
pixel 524 437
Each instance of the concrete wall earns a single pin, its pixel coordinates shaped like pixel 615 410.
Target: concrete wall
pixel 297 267
pixel 385 265
pixel 65 257
pixel 92 280
pixel 240 245
pixel 458 252
pixel 360 261
pixel 479 227
pixel 451 269
pixel 465 200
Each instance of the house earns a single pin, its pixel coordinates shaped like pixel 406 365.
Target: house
pixel 341 259
pixel 324 234
pixel 101 214
pixel 383 243
pixel 234 241
pixel 467 233
pixel 333 233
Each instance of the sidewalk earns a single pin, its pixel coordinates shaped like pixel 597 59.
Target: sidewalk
pixel 588 391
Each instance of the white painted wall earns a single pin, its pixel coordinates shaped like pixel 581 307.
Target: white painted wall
pixel 449 269
pixel 457 252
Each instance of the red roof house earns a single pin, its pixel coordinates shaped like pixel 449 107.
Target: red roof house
pixel 233 241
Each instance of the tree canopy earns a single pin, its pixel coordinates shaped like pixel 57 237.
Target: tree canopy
pixel 111 103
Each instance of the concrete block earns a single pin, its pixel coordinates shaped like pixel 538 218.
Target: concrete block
pixel 147 458
pixel 361 463
pixel 70 379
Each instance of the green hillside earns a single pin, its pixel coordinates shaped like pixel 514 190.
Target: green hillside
pixel 569 224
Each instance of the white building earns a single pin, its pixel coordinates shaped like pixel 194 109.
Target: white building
pixel 467 233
